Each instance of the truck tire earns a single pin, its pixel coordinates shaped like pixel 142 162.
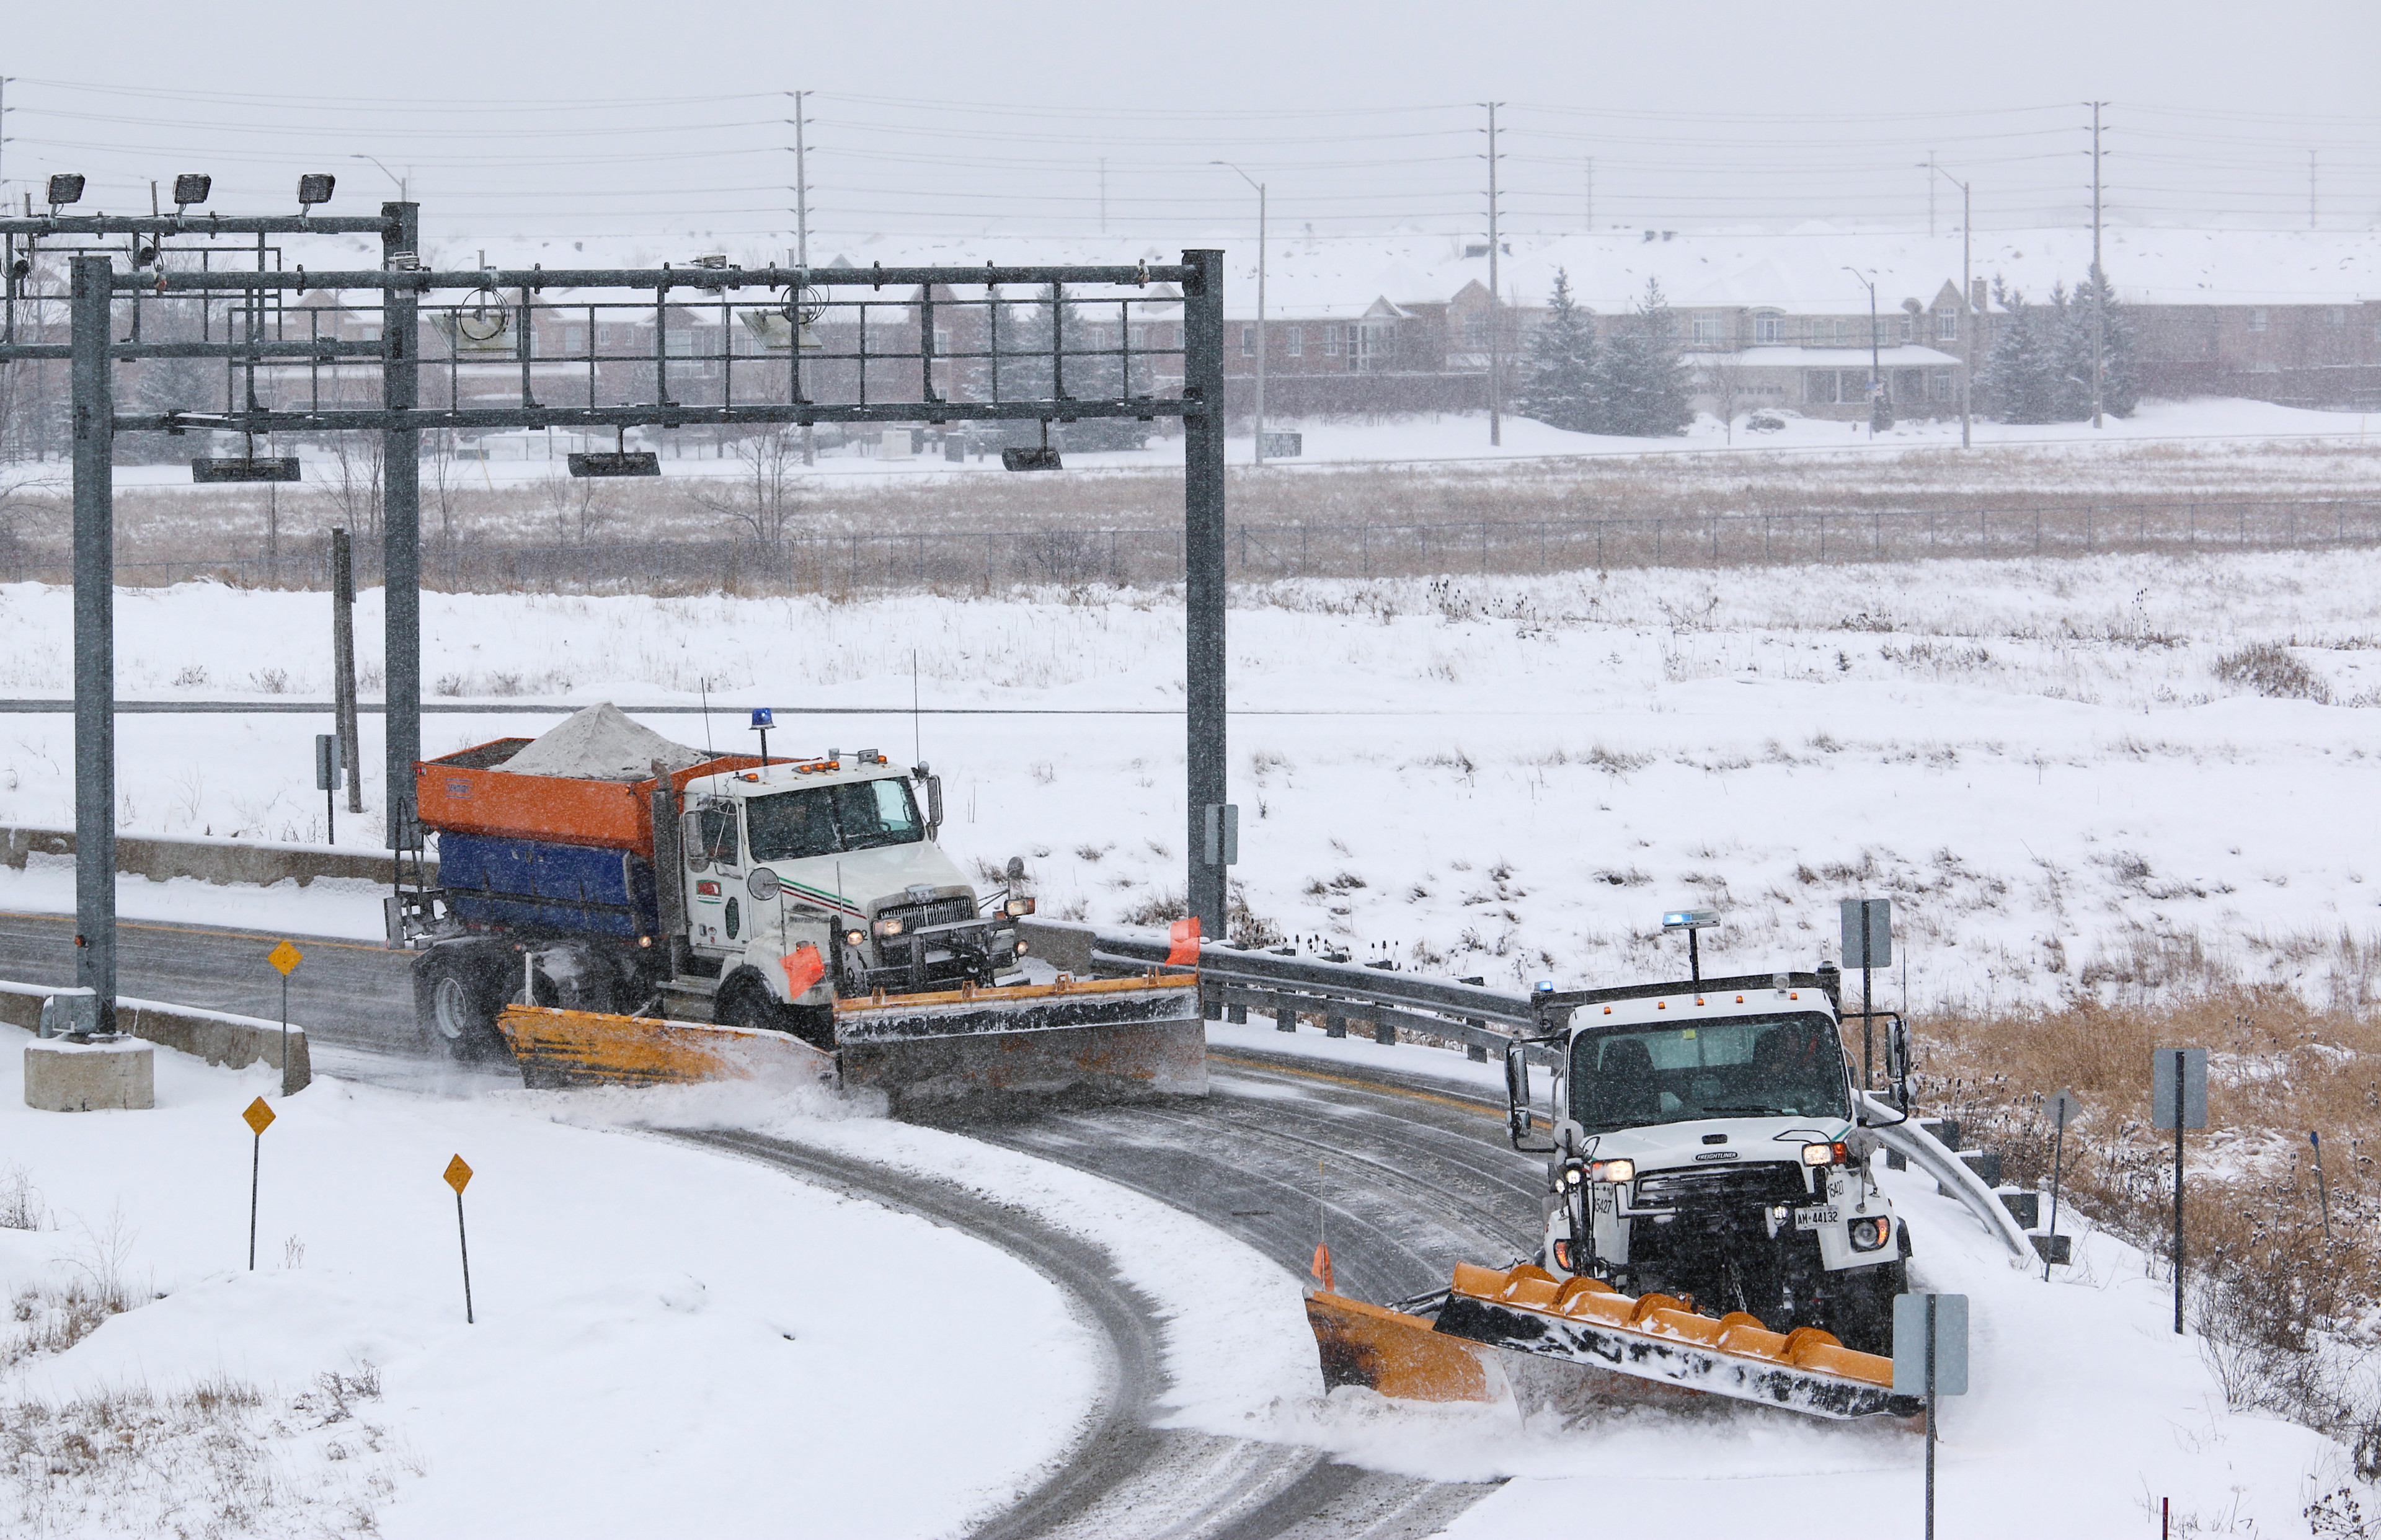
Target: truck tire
pixel 456 993
pixel 1861 1314
pixel 746 1002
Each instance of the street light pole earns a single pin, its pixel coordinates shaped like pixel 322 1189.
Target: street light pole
pixel 1261 304
pixel 1967 296
pixel 402 195
pixel 1876 359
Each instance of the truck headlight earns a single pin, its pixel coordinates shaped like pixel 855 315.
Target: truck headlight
pixel 855 938
pixel 1020 948
pixel 1825 1154
pixel 1613 1171
pixel 1870 1234
pixel 888 927
pixel 1016 907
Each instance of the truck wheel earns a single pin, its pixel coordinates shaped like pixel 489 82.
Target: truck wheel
pixel 455 997
pixel 749 1004
pixel 1862 1314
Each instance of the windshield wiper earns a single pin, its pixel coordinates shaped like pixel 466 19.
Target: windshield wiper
pixel 1756 1111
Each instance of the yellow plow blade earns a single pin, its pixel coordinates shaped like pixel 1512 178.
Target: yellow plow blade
pixel 586 1048
pixel 1566 1342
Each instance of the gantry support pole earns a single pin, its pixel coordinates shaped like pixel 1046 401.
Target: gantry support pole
pixel 95 639
pixel 401 538
pixel 1202 575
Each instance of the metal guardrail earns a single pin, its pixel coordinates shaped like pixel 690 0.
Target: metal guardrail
pixel 1236 981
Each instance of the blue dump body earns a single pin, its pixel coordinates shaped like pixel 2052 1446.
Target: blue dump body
pixel 529 885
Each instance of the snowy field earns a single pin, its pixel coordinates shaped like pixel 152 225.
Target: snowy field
pixel 2039 761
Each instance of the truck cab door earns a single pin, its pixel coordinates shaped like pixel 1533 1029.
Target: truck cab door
pixel 715 920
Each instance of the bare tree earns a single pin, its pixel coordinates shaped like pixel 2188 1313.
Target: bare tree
pixel 578 505
pixel 444 493
pixel 355 482
pixel 1725 381
pixel 765 495
pixel 26 491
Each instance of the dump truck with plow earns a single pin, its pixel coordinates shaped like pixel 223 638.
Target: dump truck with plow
pixel 1712 1223
pixel 611 906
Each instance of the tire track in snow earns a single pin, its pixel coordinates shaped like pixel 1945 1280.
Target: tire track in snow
pixel 1405 1168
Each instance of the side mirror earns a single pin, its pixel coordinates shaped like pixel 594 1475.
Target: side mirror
pixel 1897 1058
pixel 933 807
pixel 690 839
pixel 1519 1125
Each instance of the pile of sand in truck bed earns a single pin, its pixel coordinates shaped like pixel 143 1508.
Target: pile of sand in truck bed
pixel 599 744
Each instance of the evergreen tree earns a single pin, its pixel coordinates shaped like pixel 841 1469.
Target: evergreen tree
pixel 2019 379
pixel 2119 385
pixel 2040 367
pixel 1559 374
pixel 1644 385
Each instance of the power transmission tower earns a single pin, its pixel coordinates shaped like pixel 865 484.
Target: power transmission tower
pixel 1495 330
pixel 802 234
pixel 2099 279
pixel 801 183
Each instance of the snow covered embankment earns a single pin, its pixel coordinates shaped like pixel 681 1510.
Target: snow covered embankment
pixel 666 1343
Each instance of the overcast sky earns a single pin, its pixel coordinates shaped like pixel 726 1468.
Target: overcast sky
pixel 962 120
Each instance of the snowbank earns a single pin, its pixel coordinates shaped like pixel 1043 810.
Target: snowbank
pixel 668 1342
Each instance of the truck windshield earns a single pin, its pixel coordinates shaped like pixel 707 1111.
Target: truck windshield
pixel 824 820
pixel 1785 1065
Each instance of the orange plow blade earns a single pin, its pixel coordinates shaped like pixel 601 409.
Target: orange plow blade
pixel 1394 1353
pixel 1578 1340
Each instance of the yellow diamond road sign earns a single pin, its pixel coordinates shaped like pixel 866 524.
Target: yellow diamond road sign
pixel 286 958
pixel 458 1174
pixel 258 1116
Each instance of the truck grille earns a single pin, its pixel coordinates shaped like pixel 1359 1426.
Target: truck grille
pixel 934 911
pixel 1722 1187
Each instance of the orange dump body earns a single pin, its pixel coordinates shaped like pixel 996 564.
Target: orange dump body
pixel 465 792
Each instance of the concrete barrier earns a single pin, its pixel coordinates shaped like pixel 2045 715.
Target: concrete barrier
pixel 216 860
pixel 116 1075
pixel 219 1037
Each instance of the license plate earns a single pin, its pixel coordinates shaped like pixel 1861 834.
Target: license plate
pixel 1811 1218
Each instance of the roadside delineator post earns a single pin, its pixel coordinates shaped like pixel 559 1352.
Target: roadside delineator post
pixel 459 1176
pixel 259 1117
pixel 2322 1190
pixel 1320 1268
pixel 2178 1101
pixel 2063 1106
pixel 285 959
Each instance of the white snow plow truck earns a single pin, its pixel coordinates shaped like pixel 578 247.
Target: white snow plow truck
pixel 600 886
pixel 1711 1225
pixel 1704 1144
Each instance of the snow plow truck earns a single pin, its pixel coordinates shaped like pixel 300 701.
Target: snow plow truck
pixel 614 908
pixel 1712 1223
